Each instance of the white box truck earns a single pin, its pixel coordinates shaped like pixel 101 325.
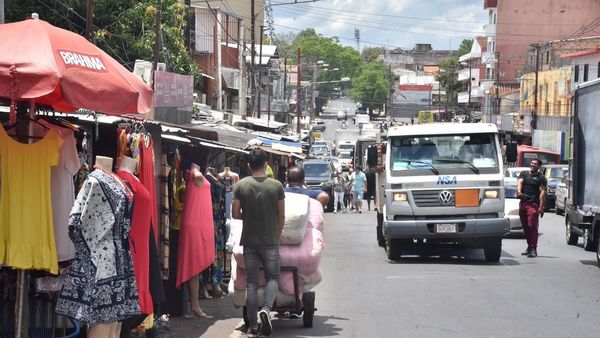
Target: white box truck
pixel 440 184
pixel 582 217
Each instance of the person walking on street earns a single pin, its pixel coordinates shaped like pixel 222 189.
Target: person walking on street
pixel 339 183
pixel 259 202
pixel 370 189
pixel 358 181
pixel 531 189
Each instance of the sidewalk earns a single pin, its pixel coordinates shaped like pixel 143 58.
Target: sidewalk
pixel 222 318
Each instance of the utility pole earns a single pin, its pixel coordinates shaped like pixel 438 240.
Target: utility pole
pixel 253 55
pixel 298 93
pixel 285 96
pixel 89 25
pixel 260 70
pixel 497 84
pixel 535 98
pixel 219 64
pixel 156 40
pixel 243 82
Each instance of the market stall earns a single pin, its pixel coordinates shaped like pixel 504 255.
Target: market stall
pixel 45 68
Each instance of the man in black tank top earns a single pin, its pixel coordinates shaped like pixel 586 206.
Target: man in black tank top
pixel 531 189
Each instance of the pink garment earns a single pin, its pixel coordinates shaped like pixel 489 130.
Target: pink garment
pixel 315 215
pixel 286 280
pixel 139 239
pixel 305 256
pixel 196 238
pixel 146 174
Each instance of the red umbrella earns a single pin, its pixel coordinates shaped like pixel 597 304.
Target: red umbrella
pixel 56 67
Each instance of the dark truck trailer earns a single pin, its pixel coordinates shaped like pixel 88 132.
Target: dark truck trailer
pixel 583 205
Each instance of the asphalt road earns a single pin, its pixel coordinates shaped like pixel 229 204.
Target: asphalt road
pixel 448 292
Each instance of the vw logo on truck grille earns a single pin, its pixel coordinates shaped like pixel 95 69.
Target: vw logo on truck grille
pixel 446 197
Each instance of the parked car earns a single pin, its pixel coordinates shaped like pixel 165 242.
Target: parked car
pixel 511 211
pixel 319 126
pixel 345 159
pixel 561 195
pixel 510 180
pixel 318 174
pixel 554 173
pixel 336 162
pixel 319 150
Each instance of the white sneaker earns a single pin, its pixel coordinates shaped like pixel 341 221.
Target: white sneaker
pixel 335 211
pixel 265 322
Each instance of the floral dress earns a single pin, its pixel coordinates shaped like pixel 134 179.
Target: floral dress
pixel 100 286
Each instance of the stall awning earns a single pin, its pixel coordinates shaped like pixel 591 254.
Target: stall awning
pixel 292 147
pixel 217 145
pixel 176 138
pixel 277 151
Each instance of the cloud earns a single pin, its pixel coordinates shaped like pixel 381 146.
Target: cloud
pixel 391 23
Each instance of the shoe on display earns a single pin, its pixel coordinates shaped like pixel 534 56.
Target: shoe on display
pixel 526 252
pixel 265 322
pixel 532 254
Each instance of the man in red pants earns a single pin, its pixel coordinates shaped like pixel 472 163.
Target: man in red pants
pixel 531 189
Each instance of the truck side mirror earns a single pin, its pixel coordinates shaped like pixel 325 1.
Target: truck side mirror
pixel 372 156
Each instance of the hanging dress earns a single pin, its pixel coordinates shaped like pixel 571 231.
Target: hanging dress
pixel 139 237
pixel 146 174
pixel 100 286
pixel 26 220
pixel 196 238
pixel 214 274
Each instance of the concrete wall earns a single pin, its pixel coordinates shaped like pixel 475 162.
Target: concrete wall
pixel 553 89
pixel 521 23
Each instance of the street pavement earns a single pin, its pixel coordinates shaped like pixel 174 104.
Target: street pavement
pixel 442 293
pixel 445 293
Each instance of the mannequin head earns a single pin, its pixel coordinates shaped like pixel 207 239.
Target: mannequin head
pixel 104 162
pixel 227 170
pixel 127 163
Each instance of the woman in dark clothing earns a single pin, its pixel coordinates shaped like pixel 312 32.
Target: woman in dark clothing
pixel 370 193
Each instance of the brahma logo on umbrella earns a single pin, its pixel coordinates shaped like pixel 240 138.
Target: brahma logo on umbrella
pixel 73 59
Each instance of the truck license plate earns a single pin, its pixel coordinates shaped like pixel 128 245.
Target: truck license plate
pixel 445 228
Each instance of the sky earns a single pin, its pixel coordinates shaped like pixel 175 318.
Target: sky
pixel 385 23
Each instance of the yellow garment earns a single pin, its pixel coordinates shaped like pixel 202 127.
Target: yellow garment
pixel 269 171
pixel 26 228
pixel 178 205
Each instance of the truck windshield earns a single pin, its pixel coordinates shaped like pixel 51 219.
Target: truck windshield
pixel 449 154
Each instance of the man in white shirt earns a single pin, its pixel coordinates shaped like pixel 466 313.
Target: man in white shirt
pixel 358 182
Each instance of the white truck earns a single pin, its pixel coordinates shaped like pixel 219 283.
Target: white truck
pixel 440 184
pixel 582 217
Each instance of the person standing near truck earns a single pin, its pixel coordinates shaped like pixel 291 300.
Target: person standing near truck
pixel 358 182
pixel 531 189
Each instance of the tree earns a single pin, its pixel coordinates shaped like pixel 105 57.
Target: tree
pixel 448 75
pixel 371 53
pixel 372 84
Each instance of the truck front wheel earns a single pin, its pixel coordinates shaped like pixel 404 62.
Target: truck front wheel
pixel 379 229
pixel 570 236
pixel 393 248
pixel 493 249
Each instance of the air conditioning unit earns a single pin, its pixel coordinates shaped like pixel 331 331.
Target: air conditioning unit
pixel 143 70
pixel 161 67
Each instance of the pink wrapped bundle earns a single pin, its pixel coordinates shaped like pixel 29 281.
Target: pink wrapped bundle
pixel 304 256
pixel 286 281
pixel 315 214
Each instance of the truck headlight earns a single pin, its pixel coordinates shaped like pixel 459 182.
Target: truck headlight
pixel 400 197
pixel 491 194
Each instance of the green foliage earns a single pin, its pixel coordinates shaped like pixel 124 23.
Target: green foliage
pixel 122 28
pixel 371 53
pixel 448 76
pixel 372 84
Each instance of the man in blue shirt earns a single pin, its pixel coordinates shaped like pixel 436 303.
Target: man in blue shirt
pixel 296 184
pixel 358 181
